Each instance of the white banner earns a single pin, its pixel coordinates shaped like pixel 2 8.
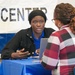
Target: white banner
pixel 14 13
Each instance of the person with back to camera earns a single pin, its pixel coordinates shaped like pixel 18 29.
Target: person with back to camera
pixel 27 42
pixel 59 55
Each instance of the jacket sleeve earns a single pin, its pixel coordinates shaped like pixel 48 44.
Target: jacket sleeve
pixel 11 46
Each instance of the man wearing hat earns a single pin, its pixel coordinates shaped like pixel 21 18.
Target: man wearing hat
pixel 27 42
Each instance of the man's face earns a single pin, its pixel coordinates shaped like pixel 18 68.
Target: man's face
pixel 38 24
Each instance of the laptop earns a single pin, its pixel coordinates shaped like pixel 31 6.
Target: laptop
pixel 43 45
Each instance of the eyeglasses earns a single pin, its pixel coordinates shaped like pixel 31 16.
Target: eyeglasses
pixel 53 20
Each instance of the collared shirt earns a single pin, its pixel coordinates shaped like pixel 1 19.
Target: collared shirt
pixel 64 26
pixel 37 41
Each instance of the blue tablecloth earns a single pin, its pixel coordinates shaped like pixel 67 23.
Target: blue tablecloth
pixel 28 66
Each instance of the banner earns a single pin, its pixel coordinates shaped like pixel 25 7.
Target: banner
pixel 14 13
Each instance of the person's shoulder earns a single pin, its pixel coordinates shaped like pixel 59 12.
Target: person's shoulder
pixel 24 30
pixel 49 29
pixel 59 32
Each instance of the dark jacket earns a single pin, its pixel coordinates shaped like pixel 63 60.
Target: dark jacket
pixel 22 39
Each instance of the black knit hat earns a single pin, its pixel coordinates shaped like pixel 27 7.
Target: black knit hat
pixel 36 13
